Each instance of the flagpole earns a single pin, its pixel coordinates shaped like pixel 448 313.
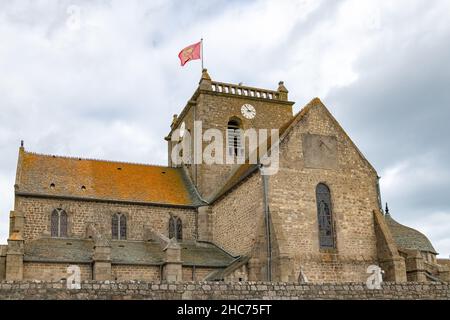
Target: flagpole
pixel 201 47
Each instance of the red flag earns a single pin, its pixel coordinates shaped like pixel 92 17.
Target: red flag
pixel 189 53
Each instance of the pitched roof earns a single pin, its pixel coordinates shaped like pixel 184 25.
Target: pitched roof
pixel 123 252
pixel 103 180
pixel 408 238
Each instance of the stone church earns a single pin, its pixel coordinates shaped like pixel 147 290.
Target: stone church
pixel 318 219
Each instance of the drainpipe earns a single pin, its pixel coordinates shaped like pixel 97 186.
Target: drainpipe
pixel 267 223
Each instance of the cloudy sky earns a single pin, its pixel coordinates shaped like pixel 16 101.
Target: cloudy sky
pixel 101 79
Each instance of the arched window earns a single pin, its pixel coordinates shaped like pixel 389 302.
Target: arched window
pixel 175 228
pixel 234 138
pixel 55 223
pixel 63 224
pixel 325 216
pixel 171 227
pixel 115 226
pixel 119 226
pixel 123 226
pixel 58 223
pixel 179 229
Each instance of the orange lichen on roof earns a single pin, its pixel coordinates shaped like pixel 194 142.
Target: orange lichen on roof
pixel 15 236
pixel 103 180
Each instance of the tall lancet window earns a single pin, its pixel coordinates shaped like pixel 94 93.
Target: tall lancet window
pixel 175 228
pixel 325 217
pixel 234 138
pixel 58 223
pixel 119 226
pixel 179 229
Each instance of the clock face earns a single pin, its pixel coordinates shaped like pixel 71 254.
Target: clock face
pixel 248 111
pixel 182 129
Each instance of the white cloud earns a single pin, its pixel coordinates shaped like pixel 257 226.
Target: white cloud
pixel 410 175
pixel 437 229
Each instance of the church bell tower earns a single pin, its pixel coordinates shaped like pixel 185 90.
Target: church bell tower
pixel 231 109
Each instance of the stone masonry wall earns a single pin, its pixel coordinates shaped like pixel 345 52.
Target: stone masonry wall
pixel 119 272
pixel 215 290
pixel 293 207
pixel 37 217
pixel 199 275
pixel 215 110
pixel 53 271
pixel 236 217
pixel 142 273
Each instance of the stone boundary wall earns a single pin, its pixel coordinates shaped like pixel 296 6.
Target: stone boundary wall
pixel 13 290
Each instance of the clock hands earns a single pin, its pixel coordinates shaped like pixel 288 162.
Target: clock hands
pixel 248 111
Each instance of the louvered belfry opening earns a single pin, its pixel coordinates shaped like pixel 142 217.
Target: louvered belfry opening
pixel 234 138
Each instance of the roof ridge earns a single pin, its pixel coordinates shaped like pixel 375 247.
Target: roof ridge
pixel 94 159
pixel 285 129
pixel 195 194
